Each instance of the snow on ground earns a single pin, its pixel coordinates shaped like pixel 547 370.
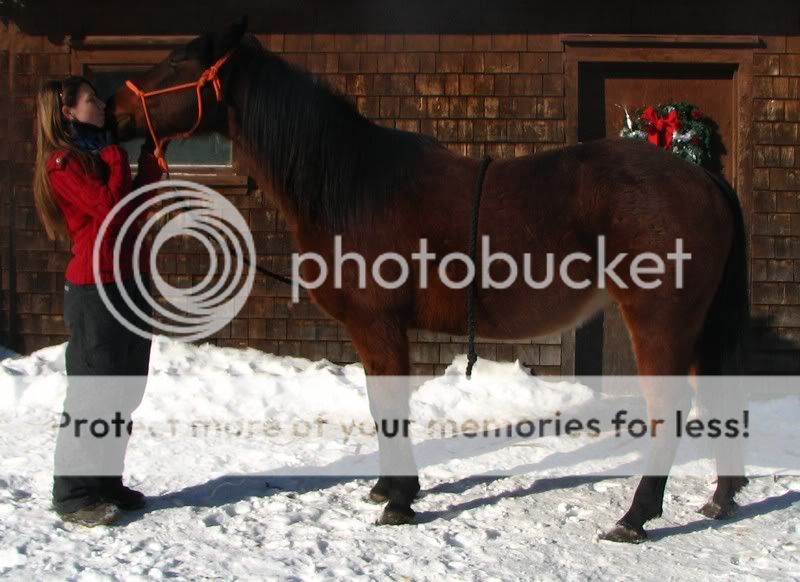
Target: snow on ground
pixel 232 501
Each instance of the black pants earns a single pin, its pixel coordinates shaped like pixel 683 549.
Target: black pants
pixel 95 423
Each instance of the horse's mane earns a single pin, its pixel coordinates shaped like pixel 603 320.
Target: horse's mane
pixel 334 165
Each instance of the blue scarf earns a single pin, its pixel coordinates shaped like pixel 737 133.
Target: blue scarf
pixel 88 137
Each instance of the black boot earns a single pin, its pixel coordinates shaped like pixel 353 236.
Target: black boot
pixel 77 500
pixel 113 491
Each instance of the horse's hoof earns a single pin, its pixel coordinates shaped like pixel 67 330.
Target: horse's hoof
pixel 397 515
pixel 380 493
pixel 713 510
pixel 624 534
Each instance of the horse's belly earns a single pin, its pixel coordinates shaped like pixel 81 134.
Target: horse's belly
pixel 527 313
pixel 515 313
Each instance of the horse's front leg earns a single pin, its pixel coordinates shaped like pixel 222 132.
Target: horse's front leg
pixel 398 484
pixel 383 349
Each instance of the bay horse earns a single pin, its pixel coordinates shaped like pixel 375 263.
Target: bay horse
pixel 332 171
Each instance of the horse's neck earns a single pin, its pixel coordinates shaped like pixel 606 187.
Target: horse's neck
pixel 250 167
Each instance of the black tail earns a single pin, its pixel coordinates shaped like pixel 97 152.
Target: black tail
pixel 723 345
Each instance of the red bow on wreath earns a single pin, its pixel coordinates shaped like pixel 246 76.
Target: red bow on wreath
pixel 660 129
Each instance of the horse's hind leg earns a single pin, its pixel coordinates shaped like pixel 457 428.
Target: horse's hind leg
pixel 383 349
pixel 722 503
pixel 663 348
pixel 649 496
pixel 723 399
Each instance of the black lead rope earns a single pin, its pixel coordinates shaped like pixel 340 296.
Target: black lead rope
pixel 472 297
pixel 261 269
pixel 269 273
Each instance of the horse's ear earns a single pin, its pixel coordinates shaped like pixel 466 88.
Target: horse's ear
pixel 225 41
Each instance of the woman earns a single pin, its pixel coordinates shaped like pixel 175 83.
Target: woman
pixel 80 175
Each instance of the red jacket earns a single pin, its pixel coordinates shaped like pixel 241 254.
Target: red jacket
pixel 86 201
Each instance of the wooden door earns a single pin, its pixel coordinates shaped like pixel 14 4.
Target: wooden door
pixel 602 346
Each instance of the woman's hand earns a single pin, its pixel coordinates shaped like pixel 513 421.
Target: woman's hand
pixel 149 147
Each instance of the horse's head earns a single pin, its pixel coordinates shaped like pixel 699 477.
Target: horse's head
pixel 175 112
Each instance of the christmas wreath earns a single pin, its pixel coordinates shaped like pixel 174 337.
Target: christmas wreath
pixel 679 127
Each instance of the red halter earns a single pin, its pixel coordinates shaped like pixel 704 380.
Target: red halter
pixel 210 74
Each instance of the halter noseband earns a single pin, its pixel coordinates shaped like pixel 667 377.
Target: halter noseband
pixel 209 75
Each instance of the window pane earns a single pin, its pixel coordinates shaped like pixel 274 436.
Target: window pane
pixel 197 151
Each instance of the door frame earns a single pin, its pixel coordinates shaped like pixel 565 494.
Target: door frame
pixel 737 52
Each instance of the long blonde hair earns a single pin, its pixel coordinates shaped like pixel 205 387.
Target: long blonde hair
pixel 53 133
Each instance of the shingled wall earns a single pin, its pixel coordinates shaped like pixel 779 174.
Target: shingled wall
pixel 501 94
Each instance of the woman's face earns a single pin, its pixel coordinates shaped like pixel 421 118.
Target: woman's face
pixel 89 108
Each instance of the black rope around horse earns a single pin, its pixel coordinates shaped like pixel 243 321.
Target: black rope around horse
pixel 472 356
